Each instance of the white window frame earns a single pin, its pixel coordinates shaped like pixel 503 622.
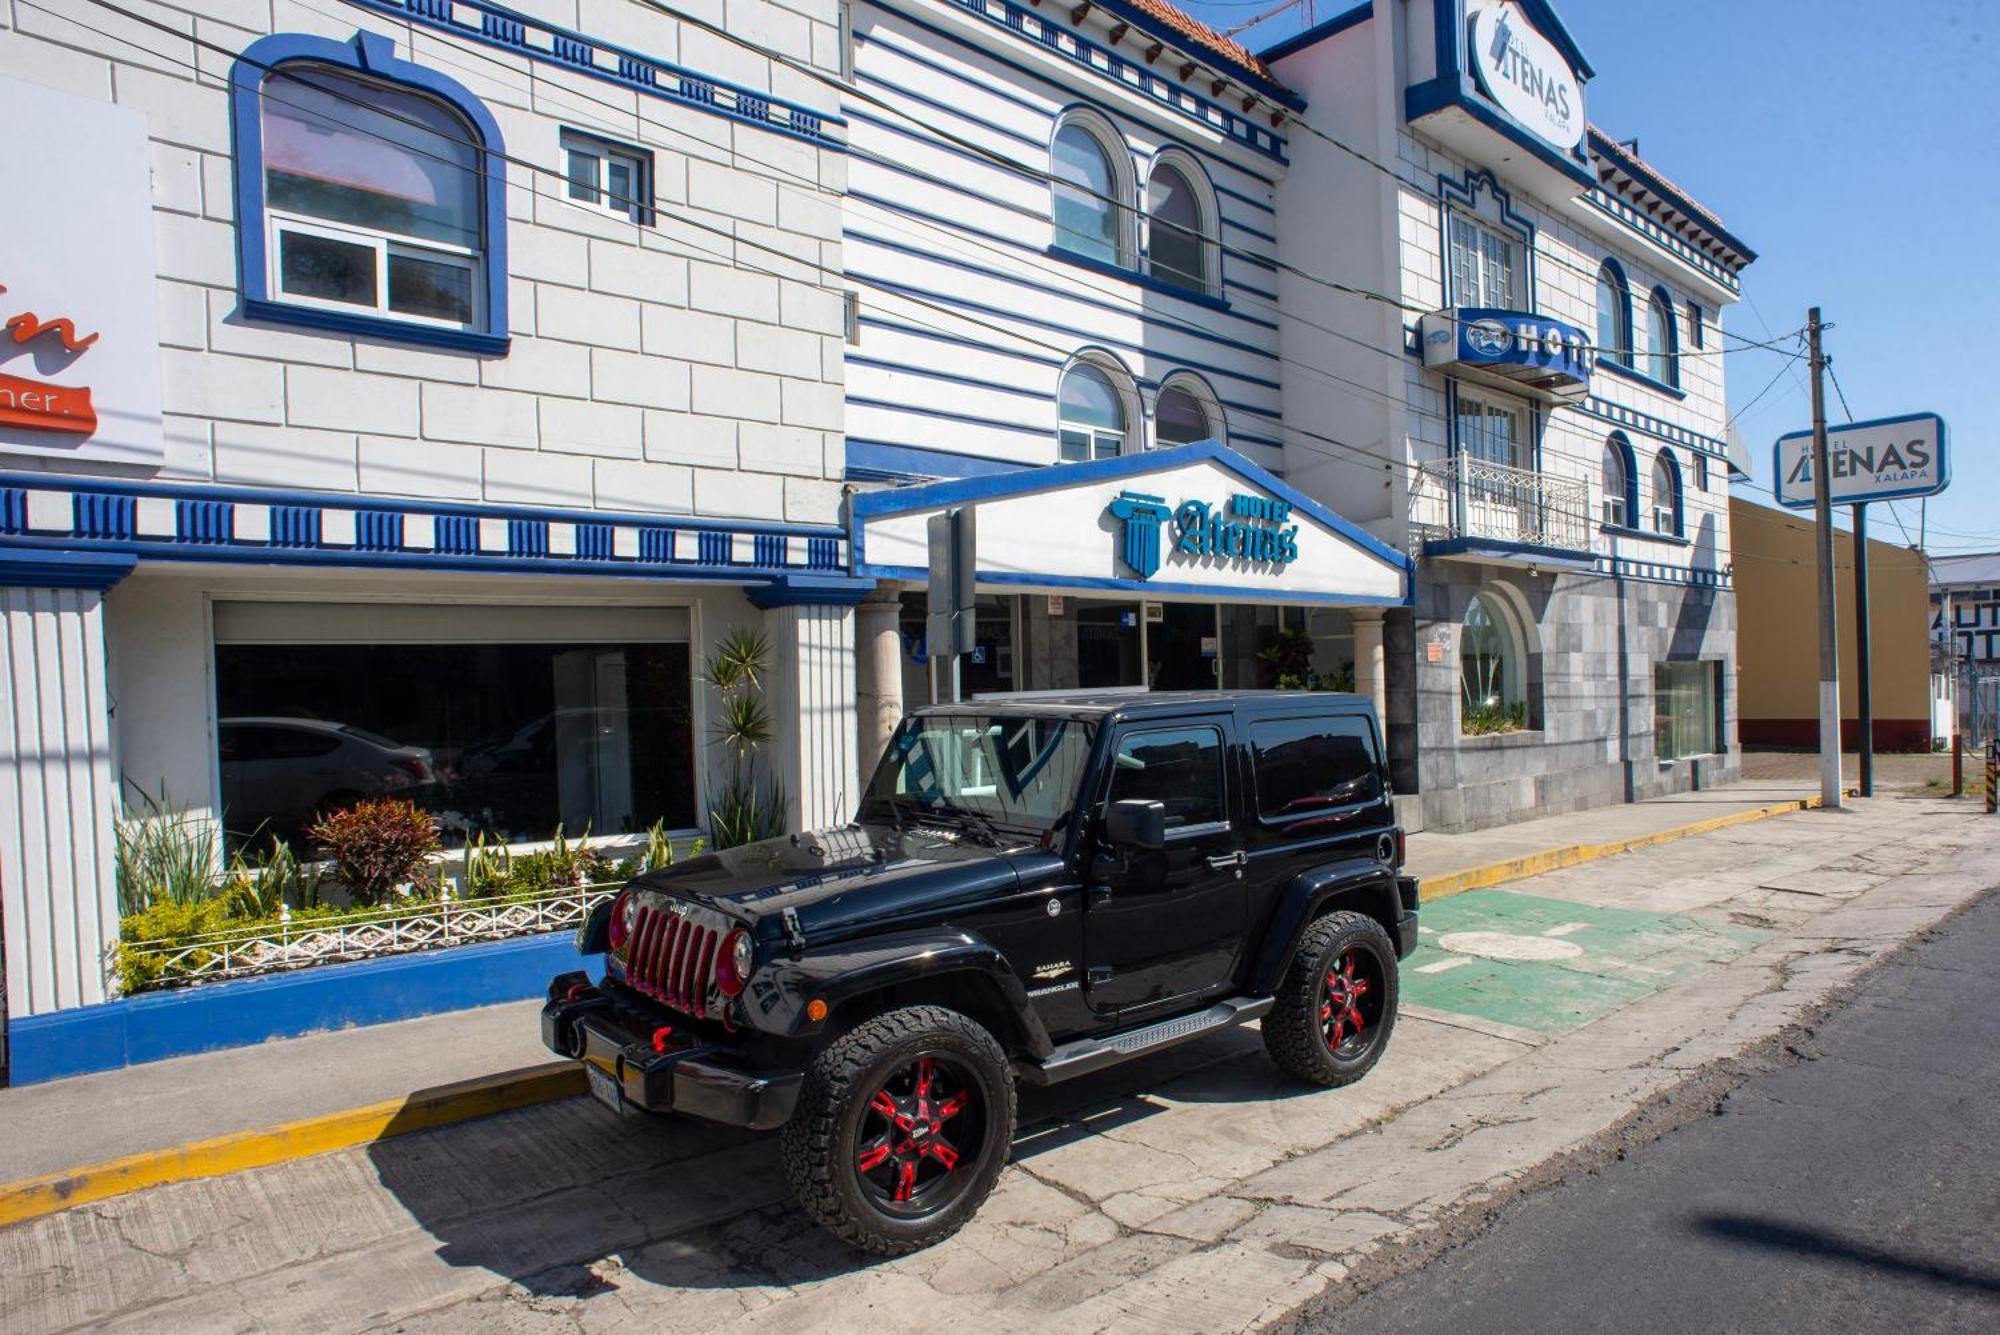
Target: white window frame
pixel 602 152
pixel 1191 386
pixel 1208 224
pixel 1095 438
pixel 1493 406
pixel 1615 501
pixel 384 244
pixel 1663 497
pixel 850 317
pixel 1489 245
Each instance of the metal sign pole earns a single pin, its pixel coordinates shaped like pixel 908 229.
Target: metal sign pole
pixel 1951 667
pixel 1829 634
pixel 1863 696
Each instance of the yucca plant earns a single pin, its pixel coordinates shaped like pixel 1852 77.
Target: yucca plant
pixel 747 808
pixel 164 856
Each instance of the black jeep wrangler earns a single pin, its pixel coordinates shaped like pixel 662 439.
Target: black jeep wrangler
pixel 1036 886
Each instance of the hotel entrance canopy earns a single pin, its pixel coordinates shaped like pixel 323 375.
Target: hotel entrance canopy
pixel 1197 522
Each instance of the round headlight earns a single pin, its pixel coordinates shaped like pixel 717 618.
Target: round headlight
pixel 733 968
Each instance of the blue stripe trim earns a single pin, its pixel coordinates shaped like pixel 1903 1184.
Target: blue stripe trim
pixel 1635 420
pixel 998 387
pixel 1238 129
pixel 1049 289
pixel 1040 146
pixel 885 459
pixel 1132 350
pixel 968 419
pixel 1141 588
pixel 1319 32
pixel 1239 196
pixel 572 50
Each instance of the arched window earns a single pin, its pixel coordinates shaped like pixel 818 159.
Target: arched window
pixel 369 194
pixel 1662 359
pixel 1490 670
pixel 1180 233
pixel 1614 314
pixel 1666 494
pixel 1092 414
pixel 1617 482
pixel 1185 412
pixel 1087 194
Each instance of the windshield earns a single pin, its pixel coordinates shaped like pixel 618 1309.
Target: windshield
pixel 1017 774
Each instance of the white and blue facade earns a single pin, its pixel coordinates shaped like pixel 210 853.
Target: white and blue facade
pixel 462 374
pixel 1541 371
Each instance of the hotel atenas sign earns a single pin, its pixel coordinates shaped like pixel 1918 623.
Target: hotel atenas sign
pixel 1878 460
pixel 1523 72
pixel 1254 529
pixel 1531 352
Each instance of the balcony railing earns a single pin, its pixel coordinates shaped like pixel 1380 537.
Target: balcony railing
pixel 1468 497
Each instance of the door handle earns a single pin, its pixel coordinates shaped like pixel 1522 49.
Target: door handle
pixel 1227 860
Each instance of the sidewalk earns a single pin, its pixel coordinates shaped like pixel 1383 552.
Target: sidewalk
pixel 92 1120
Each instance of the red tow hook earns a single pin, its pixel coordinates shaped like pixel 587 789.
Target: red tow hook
pixel 660 1037
pixel 575 991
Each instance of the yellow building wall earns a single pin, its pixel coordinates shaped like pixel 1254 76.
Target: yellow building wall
pixel 1777 632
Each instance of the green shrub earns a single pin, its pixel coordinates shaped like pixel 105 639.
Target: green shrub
pixel 376 845
pixel 1485 720
pixel 164 922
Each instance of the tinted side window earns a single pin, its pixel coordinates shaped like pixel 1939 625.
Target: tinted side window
pixel 1307 765
pixel 279 743
pixel 1179 767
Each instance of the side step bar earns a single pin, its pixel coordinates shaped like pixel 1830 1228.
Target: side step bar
pixel 1085 1055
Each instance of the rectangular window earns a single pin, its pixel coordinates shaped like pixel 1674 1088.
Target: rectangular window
pixel 607 177
pixel 850 317
pixel 587 726
pixel 845 18
pixel 1178 767
pixel 319 264
pixel 1697 331
pixel 1311 766
pixel 1701 472
pixel 1686 709
pixel 1485 265
pixel 1491 430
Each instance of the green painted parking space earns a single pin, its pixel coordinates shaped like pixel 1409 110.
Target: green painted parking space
pixel 1551 965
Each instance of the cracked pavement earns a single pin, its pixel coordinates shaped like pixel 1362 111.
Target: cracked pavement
pixel 1197 1189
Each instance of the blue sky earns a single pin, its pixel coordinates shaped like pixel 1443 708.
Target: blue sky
pixel 1854 147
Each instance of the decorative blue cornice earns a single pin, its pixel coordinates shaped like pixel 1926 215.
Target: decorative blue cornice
pixel 1133 76
pixel 48 520
pixel 1650 425
pixel 62 568
pixel 810 591
pixel 494 25
pixel 1618 211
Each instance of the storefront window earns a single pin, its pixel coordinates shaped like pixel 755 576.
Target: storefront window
pixel 507 739
pixel 1490 670
pixel 1685 709
pixel 1108 644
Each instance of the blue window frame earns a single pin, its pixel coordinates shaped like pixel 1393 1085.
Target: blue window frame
pixel 1663 350
pixel 1667 512
pixel 370 195
pixel 1620 483
pixel 1697 326
pixel 1614 314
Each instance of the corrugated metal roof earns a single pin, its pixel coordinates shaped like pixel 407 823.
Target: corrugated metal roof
pixel 1982 568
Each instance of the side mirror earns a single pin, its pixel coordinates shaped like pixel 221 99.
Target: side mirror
pixel 1136 823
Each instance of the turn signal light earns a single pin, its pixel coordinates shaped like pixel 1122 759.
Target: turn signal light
pixel 732 964
pixel 816 1010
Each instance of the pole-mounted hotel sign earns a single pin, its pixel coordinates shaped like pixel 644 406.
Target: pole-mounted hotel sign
pixel 1878 460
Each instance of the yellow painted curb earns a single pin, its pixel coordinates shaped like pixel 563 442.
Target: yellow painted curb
pixel 1551 859
pixel 290 1140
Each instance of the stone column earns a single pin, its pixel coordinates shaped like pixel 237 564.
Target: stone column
pixel 879 693
pixel 1371 677
pixel 811 698
pixel 58 790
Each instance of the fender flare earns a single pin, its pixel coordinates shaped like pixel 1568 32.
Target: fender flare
pixel 840 974
pixel 1301 901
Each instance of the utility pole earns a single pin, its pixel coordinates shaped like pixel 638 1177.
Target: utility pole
pixel 1829 637
pixel 1864 700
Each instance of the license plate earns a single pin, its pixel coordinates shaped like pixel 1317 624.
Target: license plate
pixel 604 1089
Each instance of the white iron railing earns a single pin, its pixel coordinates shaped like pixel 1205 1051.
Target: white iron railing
pixel 271 947
pixel 1468 497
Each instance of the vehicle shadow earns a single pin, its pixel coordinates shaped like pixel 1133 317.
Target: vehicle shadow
pixel 568 1200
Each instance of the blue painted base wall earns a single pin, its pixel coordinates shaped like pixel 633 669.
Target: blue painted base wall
pixel 234 1014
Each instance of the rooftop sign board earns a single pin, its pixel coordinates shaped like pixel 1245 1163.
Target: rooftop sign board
pixel 1526 75
pixel 1880 460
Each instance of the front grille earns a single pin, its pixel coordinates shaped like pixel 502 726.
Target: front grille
pixel 671 956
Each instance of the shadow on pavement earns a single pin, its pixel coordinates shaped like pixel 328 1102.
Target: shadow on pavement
pixel 1824 1245
pixel 565 1198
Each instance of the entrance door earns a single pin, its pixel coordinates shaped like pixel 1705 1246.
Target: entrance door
pixel 1182 647
pixel 1165 925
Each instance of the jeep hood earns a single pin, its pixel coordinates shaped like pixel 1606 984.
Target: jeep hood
pixel 834 879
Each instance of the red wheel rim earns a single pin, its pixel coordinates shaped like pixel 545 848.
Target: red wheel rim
pixel 921 1136
pixel 1350 1002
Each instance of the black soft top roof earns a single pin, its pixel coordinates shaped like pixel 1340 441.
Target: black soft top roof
pixel 1108 706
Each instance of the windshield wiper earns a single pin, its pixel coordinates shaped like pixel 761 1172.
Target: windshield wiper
pixel 977 824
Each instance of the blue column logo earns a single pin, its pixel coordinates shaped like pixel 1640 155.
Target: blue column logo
pixel 1139 517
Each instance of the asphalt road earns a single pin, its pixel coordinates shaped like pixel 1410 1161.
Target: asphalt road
pixel 1856 1190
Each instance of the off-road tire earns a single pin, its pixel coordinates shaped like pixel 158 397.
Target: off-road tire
pixel 819 1142
pixel 1293 1031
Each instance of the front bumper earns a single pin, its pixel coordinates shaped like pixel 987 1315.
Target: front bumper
pixel 656 1065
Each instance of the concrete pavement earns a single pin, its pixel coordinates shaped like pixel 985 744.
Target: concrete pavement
pixel 1848 1186
pixel 1197 1190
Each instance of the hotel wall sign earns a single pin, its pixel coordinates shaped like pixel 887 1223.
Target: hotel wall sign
pixel 1522 71
pixel 80 374
pixel 1254 530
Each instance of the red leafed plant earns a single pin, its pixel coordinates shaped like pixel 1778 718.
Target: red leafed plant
pixel 376 845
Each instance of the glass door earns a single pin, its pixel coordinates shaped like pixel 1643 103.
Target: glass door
pixel 1183 646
